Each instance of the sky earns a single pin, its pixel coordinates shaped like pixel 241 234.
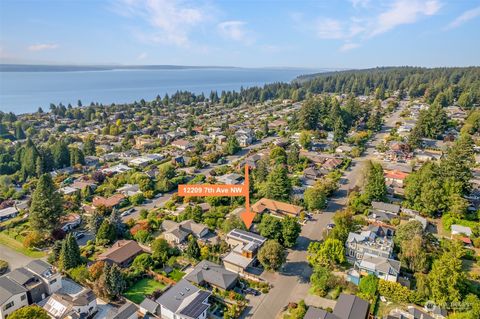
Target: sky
pixel 245 33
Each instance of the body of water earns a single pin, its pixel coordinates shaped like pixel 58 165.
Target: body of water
pixel 24 92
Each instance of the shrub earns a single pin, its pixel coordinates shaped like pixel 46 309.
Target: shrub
pixel 3 267
pixel 33 239
pixel 79 274
pixel 394 291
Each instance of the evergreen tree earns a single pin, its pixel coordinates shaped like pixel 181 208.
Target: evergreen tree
pixel 232 146
pixel 193 250
pixel 459 161
pixel 106 233
pixel 46 207
pixel 309 114
pixel 375 188
pixel 114 281
pixel 293 155
pixel 70 253
pixel 278 184
pixel 61 155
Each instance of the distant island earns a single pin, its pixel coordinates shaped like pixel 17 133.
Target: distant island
pixel 71 68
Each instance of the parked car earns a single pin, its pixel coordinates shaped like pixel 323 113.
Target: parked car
pixel 252 291
pixel 79 235
pixel 127 212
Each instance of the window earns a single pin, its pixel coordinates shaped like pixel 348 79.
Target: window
pixel 23 297
pixel 8 305
pixel 53 281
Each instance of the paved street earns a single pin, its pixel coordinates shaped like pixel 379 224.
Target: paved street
pixel 291 284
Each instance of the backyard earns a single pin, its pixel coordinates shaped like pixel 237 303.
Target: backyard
pixel 143 288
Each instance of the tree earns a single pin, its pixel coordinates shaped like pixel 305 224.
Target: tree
pixel 29 312
pixel 293 155
pixel 290 231
pixel 278 184
pixel 278 155
pixel 46 207
pixel 106 233
pixel 447 278
pixel 326 253
pixel 413 254
pixel 459 161
pixel 160 250
pixel 232 146
pixel 305 139
pixel 61 154
pixel 95 221
pixel 408 231
pixel 114 281
pixel 368 286
pixel 271 227
pixel 70 253
pixel 309 114
pixel 142 262
pixel 89 147
pixel 375 188
pixel 271 255
pixel 344 224
pixel 314 198
pixel 321 280
pixel 193 250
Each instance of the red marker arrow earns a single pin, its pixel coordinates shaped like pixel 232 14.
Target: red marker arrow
pixel 247 216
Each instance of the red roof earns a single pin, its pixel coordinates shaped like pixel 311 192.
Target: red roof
pixel 396 175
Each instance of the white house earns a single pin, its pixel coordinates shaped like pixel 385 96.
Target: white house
pixel 12 297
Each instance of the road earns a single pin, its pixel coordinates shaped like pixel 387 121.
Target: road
pixel 291 283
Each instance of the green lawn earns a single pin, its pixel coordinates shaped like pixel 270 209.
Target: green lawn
pixel 176 275
pixel 18 246
pixel 141 288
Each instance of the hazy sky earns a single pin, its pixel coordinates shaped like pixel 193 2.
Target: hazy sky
pixel 315 33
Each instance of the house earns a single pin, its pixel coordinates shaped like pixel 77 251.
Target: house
pixel 245 247
pixel 177 233
pixel 35 287
pixel 184 301
pixel 395 178
pixel 12 296
pixel 332 163
pixel 416 313
pixel 372 242
pixel 70 221
pixel 182 144
pixel 312 173
pixel 276 208
pixel 245 137
pixel 149 306
pixel 68 190
pixel 343 149
pixel 211 274
pixel 7 213
pixel 110 202
pixel 128 310
pixel 383 268
pixel 129 190
pixel 120 168
pixel 461 230
pixel 82 184
pixel 386 207
pixel 71 301
pixel 347 307
pixel 122 253
pixel 230 179
pixel 92 161
pixel 47 273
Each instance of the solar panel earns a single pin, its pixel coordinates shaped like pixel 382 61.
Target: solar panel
pixel 196 307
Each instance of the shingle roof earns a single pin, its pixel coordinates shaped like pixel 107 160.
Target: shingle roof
pixel 39 267
pixel 317 313
pixel 124 312
pixel 150 306
pixel 121 251
pixel 9 288
pixel 211 273
pixel 179 297
pixel 276 206
pixel 20 275
pixel 351 307
pixel 386 207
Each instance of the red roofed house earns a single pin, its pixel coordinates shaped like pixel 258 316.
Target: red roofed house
pixel 395 178
pixel 122 253
pixel 110 202
pixel 276 208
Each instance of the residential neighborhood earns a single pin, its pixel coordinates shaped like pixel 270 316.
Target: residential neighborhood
pixel 365 205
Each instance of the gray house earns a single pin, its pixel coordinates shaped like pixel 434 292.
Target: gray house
pixel 209 273
pixel 347 307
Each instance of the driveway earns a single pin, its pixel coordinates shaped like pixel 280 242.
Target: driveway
pixel 14 259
